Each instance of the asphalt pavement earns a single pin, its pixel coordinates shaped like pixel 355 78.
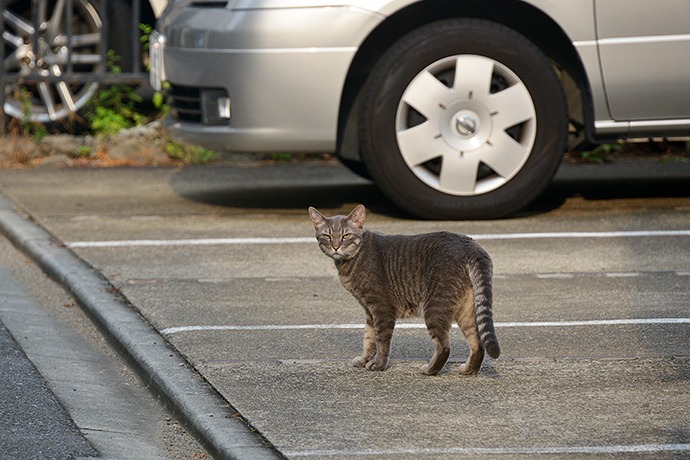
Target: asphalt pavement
pixel 65 392
pixel 34 424
pixel 208 282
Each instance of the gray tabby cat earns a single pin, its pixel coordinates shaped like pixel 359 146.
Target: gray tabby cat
pixel 442 276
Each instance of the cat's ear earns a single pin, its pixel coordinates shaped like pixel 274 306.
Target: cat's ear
pixel 357 216
pixel 316 217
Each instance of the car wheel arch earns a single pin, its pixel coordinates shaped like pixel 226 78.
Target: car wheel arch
pixel 534 24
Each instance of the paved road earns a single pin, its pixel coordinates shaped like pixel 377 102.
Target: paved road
pixel 64 391
pixel 33 422
pixel 592 297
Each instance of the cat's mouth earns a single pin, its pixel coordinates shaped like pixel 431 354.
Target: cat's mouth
pixel 332 253
pixel 338 255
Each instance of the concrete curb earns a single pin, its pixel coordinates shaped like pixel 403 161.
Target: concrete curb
pixel 198 406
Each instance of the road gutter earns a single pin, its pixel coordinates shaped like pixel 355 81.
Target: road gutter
pixel 204 412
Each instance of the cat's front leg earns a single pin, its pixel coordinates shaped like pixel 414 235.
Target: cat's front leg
pixel 369 349
pixel 383 330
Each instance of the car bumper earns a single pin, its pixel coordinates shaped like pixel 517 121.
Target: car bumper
pixel 283 87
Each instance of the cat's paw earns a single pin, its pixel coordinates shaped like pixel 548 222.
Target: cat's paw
pixel 377 364
pixel 465 369
pixel 426 370
pixel 360 361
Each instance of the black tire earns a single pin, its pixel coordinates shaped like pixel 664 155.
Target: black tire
pixel 407 165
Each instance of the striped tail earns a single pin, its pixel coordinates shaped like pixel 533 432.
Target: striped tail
pixel 481 272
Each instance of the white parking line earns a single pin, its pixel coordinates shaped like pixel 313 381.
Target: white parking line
pixel 555 275
pixel 620 449
pixel 188 242
pixel 310 240
pixel 623 275
pixel 288 327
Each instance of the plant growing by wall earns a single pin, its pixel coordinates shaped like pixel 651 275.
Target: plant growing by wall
pixel 115 107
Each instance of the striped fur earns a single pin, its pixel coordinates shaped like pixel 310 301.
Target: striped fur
pixel 442 277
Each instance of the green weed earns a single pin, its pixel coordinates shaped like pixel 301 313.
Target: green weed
pixel 115 107
pixel 84 151
pixel 190 153
pixel 27 126
pixel 600 154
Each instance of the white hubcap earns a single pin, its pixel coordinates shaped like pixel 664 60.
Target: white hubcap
pixel 466 125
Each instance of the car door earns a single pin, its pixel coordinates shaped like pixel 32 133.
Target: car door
pixel 644 48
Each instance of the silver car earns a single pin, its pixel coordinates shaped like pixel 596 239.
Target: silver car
pixel 456 109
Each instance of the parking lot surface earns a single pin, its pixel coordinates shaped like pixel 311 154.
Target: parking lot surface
pixel 591 302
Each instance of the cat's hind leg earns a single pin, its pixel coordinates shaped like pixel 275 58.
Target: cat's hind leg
pixel 439 330
pixel 467 321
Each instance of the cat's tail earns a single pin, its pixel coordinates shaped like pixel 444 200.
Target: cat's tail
pixel 481 272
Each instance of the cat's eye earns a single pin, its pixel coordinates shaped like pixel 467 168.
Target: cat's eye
pixel 347 235
pixel 326 237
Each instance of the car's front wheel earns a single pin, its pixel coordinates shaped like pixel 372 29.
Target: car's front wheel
pixel 463 119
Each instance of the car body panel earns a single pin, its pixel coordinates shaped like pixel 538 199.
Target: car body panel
pixel 265 117
pixel 292 98
pixel 284 65
pixel 646 64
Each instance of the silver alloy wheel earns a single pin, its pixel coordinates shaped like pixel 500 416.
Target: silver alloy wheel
pixel 47 101
pixel 466 125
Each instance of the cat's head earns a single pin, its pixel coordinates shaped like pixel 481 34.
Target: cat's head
pixel 339 237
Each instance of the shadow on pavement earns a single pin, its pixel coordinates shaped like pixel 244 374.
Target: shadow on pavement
pixel 286 186
pixel 610 182
pixel 332 187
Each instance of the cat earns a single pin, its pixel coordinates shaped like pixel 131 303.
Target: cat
pixel 443 277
